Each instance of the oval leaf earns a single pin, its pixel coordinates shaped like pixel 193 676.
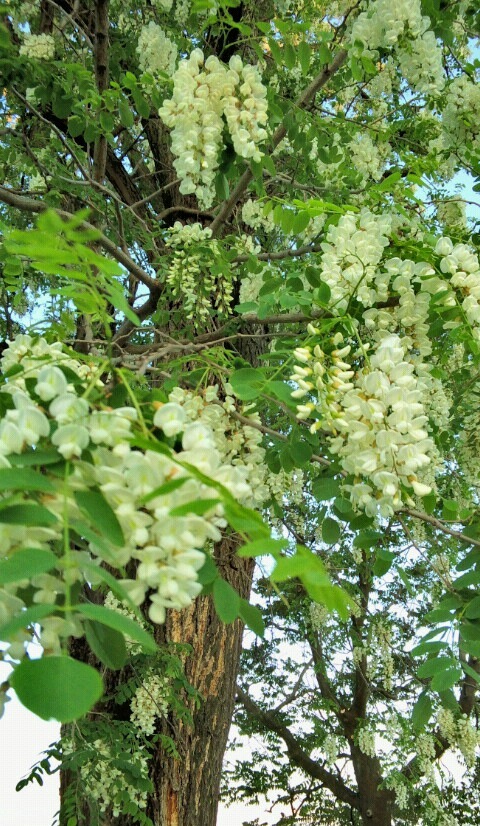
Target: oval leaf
pixel 25 563
pixel 124 625
pixel 107 644
pixel 226 601
pixel 57 688
pixel 96 507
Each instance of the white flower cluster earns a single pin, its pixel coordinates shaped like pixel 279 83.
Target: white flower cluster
pixel 319 615
pixel 206 93
pixel 368 157
pixel 452 213
pixel 330 748
pixel 425 745
pixel 402 26
pixel 461 117
pixel 351 254
pixel 167 548
pixel 381 659
pixel 122 608
pixel 156 52
pixel 191 275
pixel 460 734
pixel 375 418
pixel 107 784
pixel 398 785
pixel 365 738
pixel 462 264
pixel 38 46
pixel 253 214
pixel 238 445
pixel 150 701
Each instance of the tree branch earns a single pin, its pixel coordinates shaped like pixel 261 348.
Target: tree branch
pixel 296 753
pixel 101 77
pixel 25 204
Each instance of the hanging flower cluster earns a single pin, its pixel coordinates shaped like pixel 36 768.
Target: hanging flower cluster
pixel 403 27
pixel 38 46
pixel 197 275
pixel 352 252
pixel 374 417
pixel 156 52
pixel 53 401
pixel 206 93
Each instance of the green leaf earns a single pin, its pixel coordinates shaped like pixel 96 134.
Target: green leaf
pixel 300 222
pixel 125 112
pixel 446 679
pixel 330 531
pixel 252 617
pixel 118 622
pixel 24 480
pixel 245 520
pixel 289 56
pixel 35 457
pixel 116 587
pixel 27 514
pixel 436 665
pixel 422 711
pixel 208 572
pixel 304 53
pixel 323 53
pixel 26 563
pixel 472 611
pixel 226 601
pixel 86 532
pixel 248 383
pixel 198 507
pixel 325 488
pixel 275 51
pixel 163 490
pixel 470 630
pixel 24 619
pixel 427 648
pixel 107 644
pixel 260 547
pixel 95 506
pixel 57 688
pixel 76 125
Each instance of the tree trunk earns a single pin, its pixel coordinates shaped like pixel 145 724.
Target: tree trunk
pixel 375 804
pixel 186 789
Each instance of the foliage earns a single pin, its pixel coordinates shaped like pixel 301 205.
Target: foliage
pixel 246 222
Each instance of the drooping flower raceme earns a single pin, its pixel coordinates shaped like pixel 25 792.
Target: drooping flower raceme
pixel 206 93
pixel 53 401
pixel 156 52
pixel 403 27
pixel 374 394
pixel 38 46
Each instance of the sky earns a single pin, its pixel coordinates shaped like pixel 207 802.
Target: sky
pixel 23 737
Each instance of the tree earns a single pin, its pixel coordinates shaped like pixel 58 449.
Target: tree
pixel 259 305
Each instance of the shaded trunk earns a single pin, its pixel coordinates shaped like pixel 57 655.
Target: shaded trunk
pixel 186 789
pixel 375 804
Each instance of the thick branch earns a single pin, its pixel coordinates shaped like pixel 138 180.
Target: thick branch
pixel 437 523
pixel 25 204
pixel 296 753
pixel 101 77
pixel 305 98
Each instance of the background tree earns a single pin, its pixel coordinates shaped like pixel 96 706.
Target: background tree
pixel 253 171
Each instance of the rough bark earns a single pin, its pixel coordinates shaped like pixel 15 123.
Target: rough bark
pixel 186 790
